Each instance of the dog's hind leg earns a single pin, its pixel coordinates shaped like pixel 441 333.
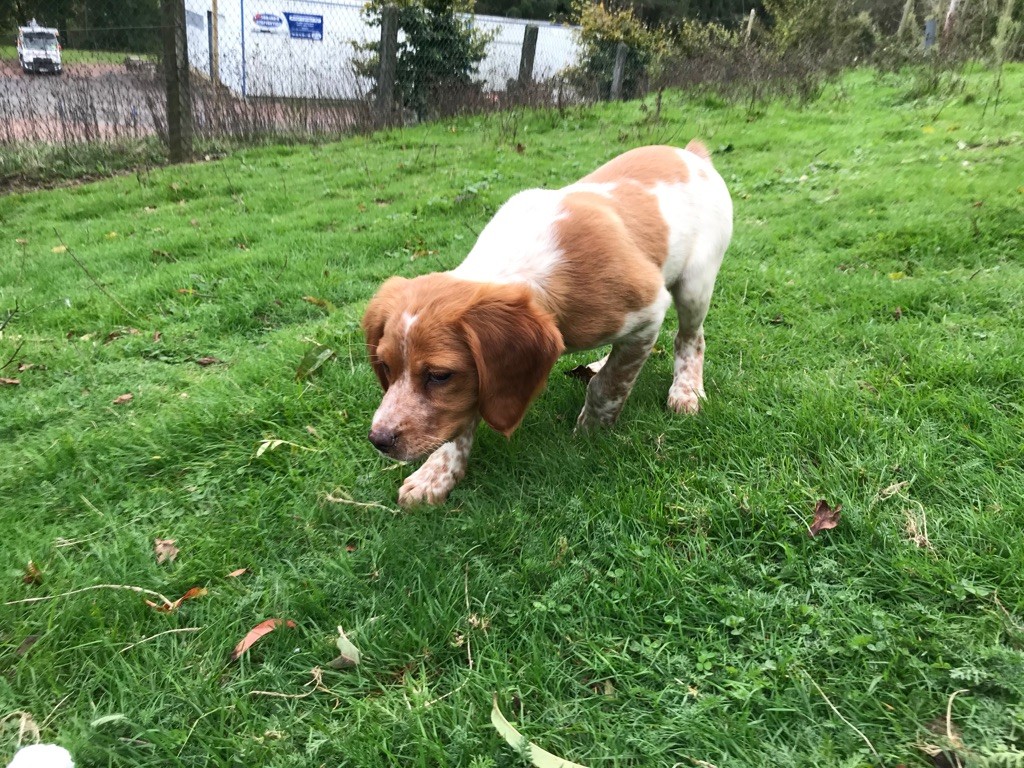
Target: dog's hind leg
pixel 692 296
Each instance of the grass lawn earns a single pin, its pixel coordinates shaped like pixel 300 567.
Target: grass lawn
pixel 648 596
pixel 71 56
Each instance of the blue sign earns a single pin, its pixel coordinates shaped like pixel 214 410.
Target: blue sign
pixel 268 21
pixel 305 26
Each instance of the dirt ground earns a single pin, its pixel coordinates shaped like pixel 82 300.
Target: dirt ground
pixel 88 102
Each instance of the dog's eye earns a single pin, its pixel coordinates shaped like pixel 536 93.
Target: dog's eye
pixel 387 370
pixel 438 377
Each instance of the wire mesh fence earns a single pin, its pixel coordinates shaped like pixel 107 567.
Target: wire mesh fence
pixel 94 70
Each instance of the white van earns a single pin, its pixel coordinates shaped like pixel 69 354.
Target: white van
pixel 39 49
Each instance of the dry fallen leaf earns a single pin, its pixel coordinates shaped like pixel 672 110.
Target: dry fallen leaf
pixel 165 550
pixel 581 372
pixel 122 399
pixel 192 594
pixel 236 573
pixel 27 643
pixel 825 517
pixel 32 574
pixel 9 382
pixel 254 634
pixel 205 361
pixel 59 249
pixel 119 332
pixel 318 302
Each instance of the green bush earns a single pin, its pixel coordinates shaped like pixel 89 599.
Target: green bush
pixel 601 32
pixel 437 59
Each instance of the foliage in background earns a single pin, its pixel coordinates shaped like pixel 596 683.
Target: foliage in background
pixel 601 30
pixel 835 31
pixel 652 12
pixel 438 55
pixel 116 25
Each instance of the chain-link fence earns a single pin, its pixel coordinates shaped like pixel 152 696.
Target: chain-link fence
pixel 81 73
pixel 104 70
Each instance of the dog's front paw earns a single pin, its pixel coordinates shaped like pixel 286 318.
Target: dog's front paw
pixel 591 419
pixel 685 399
pixel 427 485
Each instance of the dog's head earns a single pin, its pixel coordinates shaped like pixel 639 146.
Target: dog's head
pixel 448 351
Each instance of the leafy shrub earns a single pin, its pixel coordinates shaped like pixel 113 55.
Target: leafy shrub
pixel 601 32
pixel 837 32
pixel 437 59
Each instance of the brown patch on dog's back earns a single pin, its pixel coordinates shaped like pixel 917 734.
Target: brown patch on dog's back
pixel 602 240
pixel 645 165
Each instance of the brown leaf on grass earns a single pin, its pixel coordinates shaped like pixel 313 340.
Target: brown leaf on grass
pixel 32 574
pixel 581 372
pixel 165 550
pixel 205 361
pixel 117 333
pixel 825 517
pixel 948 749
pixel 254 634
pixel 157 336
pixel 22 367
pixel 236 573
pixel 318 302
pixel 192 594
pixel 27 643
pixel 127 397
pixel 5 382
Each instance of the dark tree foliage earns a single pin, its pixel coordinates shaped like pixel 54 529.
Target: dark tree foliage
pixel 108 25
pixel 653 12
pixel 537 10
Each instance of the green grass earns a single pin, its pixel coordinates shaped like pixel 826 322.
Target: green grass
pixel 648 596
pixel 71 56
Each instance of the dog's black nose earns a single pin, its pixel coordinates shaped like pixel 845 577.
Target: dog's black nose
pixel 383 439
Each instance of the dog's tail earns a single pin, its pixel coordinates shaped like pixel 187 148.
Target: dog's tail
pixel 698 148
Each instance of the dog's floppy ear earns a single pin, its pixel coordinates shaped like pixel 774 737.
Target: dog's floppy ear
pixel 514 345
pixel 382 306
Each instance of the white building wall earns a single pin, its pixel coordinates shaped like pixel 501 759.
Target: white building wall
pixel 306 48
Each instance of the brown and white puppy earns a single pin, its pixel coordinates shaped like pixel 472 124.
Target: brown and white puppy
pixel 597 262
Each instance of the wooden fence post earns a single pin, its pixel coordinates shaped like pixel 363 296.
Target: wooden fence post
pixel 618 73
pixel 214 43
pixel 388 64
pixel 528 55
pixel 179 95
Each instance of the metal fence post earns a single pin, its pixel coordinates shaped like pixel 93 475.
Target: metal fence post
pixel 528 55
pixel 388 64
pixel 618 73
pixel 179 95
